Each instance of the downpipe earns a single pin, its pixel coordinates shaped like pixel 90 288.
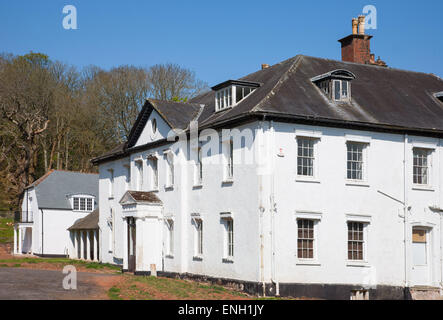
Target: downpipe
pixel 273 210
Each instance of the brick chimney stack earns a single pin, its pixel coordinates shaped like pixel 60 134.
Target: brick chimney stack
pixel 357 46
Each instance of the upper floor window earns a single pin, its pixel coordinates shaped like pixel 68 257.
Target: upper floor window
pixel 356 241
pixel 421 166
pixel 336 85
pixel 139 167
pixel 111 182
pixel 128 176
pixel 228 153
pixel 198 174
pixel 305 156
pixel 305 239
pixel 169 169
pixel 82 203
pixel 153 162
pixel 231 92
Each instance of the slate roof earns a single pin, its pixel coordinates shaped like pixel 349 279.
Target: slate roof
pixel 90 222
pixel 382 99
pixel 52 189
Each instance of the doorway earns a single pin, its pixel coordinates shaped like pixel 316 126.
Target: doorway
pixel 131 244
pixel 420 256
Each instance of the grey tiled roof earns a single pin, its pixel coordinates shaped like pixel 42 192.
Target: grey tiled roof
pixel 54 187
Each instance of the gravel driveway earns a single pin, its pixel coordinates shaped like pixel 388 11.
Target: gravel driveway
pixel 31 284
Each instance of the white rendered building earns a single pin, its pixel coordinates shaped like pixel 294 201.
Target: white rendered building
pixel 51 205
pixel 327 185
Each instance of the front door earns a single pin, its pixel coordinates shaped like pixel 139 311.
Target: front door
pixel 131 244
pixel 420 256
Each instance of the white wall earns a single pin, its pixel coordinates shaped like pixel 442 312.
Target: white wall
pixel 258 192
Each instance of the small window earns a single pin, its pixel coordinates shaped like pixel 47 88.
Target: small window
pixel 128 176
pixel 356 241
pixel 341 90
pixel 89 204
pixel 228 154
pixel 154 170
pixel 170 170
pixel 111 182
pixel 198 237
pixel 154 126
pixel 139 166
pixel 230 238
pixel 170 240
pixel 83 204
pixel 305 157
pixel 305 240
pixel 421 166
pixel 199 167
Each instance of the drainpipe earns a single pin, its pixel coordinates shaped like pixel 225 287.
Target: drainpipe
pixel 261 209
pixel 272 211
pixel 405 209
pixel 42 230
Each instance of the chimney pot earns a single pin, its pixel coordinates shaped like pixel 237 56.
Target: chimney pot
pixel 354 26
pixel 361 24
pixel 264 66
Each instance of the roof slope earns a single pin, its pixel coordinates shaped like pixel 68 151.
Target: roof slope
pixel 89 222
pixel 53 189
pixel 382 97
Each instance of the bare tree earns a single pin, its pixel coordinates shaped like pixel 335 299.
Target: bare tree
pixel 172 82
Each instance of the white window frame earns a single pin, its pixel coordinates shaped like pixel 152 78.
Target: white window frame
pixel 430 160
pixel 342 97
pixel 85 199
pixel 154 172
pixel 170 169
pixel 316 217
pixel 228 160
pixel 127 176
pixel 198 173
pixel 228 246
pixel 198 236
pixel 169 223
pixel 226 98
pixel 366 221
pixel 316 138
pixel 111 183
pixel 365 143
pixel 139 167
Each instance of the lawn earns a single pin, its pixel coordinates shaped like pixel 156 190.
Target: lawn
pixel 6 230
pixel 158 288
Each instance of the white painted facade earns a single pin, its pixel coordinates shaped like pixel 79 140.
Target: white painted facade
pixel 264 201
pixel 44 231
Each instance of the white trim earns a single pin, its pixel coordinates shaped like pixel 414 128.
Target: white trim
pixel 424 145
pixel 311 215
pixel 308 134
pixel 358 218
pixel 226 215
pixel 360 139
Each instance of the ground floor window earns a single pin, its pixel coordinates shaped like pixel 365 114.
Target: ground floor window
pixel 305 239
pixel 198 237
pixel 170 237
pixel 419 246
pixel 356 241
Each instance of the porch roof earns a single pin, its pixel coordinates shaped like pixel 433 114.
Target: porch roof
pixel 90 222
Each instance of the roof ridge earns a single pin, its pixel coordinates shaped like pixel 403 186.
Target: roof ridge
pixel 61 170
pixel 373 66
pixel 282 79
pixel 172 101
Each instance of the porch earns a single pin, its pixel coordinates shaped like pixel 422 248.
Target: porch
pixel 23 226
pixel 85 238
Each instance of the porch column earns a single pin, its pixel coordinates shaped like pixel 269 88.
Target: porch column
pixel 82 245
pixel 88 245
pixel 74 244
pixel 125 244
pixel 19 240
pixel 95 241
pixel 15 239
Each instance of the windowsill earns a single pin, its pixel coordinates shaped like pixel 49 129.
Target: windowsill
pixel 197 258
pixel 111 197
pixel 422 188
pixel 169 188
pixel 197 186
pixel 308 262
pixel 306 179
pixel 228 181
pixel 360 264
pixel 154 190
pixel 169 256
pixel 82 211
pixel 224 109
pixel 357 183
pixel 228 260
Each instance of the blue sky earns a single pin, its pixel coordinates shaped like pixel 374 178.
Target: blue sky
pixel 220 40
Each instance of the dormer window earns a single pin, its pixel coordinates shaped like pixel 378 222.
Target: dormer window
pixel 231 92
pixel 83 203
pixel 336 85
